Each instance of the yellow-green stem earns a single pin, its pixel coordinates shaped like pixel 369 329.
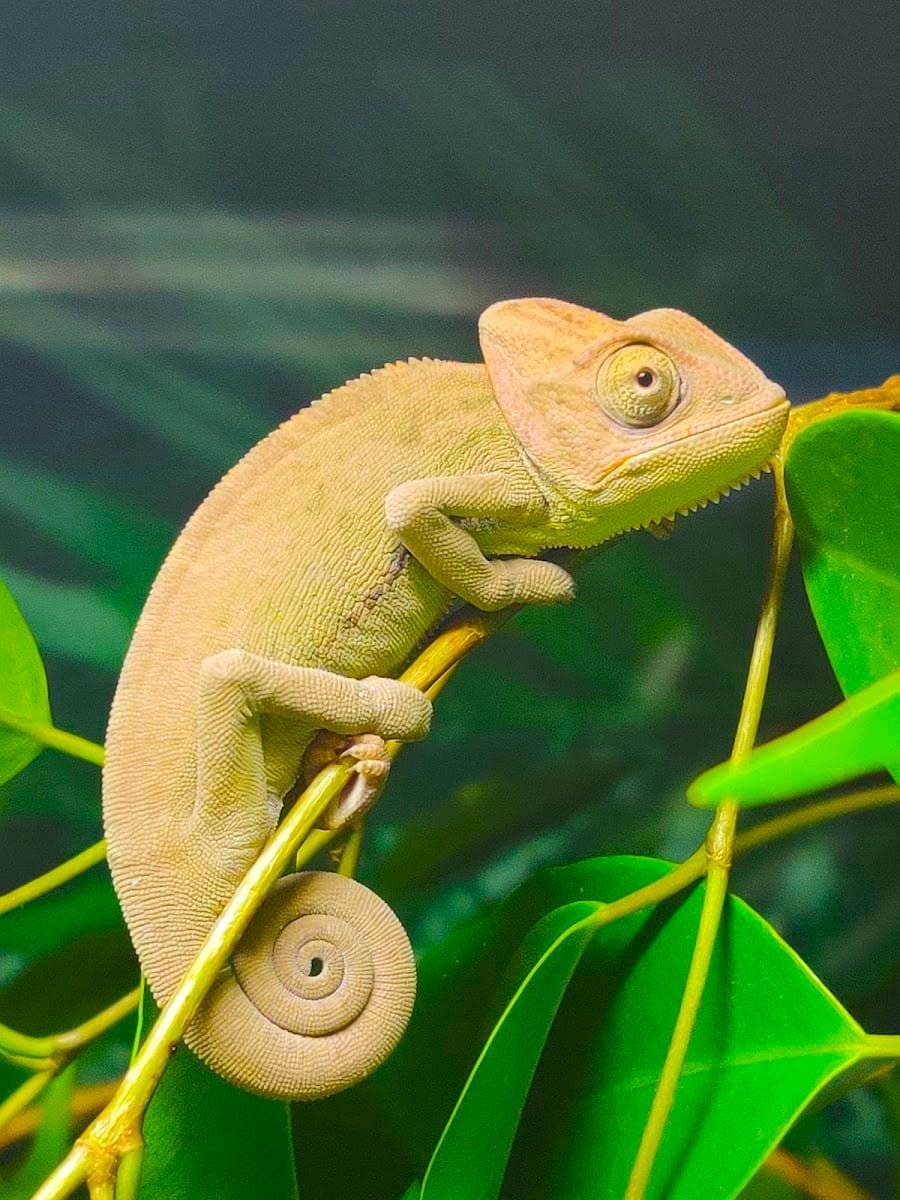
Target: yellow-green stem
pixel 58 1048
pixel 719 853
pixel 351 850
pixel 310 847
pixel 680 877
pixel 117 1130
pixel 24 1095
pixel 128 1177
pixel 56 739
pixel 883 1045
pixel 814 814
pixel 53 879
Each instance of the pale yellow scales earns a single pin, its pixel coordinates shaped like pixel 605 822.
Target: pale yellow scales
pixel 307 579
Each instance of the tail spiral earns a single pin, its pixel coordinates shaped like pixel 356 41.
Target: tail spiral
pixel 321 989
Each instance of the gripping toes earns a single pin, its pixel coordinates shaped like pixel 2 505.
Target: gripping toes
pixel 399 710
pixel 367 754
pixel 533 581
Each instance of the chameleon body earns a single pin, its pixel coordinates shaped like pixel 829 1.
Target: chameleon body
pixel 306 580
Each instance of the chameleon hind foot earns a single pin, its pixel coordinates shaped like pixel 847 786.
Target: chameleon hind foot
pixel 371 766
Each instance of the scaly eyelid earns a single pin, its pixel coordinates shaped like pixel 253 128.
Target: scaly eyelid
pixel 609 347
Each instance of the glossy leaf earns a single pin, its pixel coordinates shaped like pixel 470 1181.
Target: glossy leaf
pixel 207 1138
pixel 857 737
pixel 23 686
pixel 769 1037
pixel 841 476
pixel 501 1077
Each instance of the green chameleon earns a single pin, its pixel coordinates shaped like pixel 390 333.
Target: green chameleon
pixel 307 579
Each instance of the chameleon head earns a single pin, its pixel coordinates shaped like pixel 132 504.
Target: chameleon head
pixel 628 421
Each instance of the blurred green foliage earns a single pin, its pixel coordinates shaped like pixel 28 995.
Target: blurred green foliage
pixel 207 220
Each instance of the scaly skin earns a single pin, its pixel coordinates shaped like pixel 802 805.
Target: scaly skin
pixel 306 580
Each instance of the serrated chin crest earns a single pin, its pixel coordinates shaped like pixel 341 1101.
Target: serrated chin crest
pixel 714 498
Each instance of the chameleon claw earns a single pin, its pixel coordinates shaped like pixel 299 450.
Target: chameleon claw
pixel 371 765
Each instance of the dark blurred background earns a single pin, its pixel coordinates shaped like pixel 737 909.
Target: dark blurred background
pixel 210 213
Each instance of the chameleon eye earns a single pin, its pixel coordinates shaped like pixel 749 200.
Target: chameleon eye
pixel 638 386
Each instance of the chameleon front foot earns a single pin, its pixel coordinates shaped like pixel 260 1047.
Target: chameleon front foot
pixel 371 765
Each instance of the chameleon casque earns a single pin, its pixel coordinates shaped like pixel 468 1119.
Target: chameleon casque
pixel 306 580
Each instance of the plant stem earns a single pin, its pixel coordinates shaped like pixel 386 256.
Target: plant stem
pixel 310 847
pixel 680 877
pixel 719 853
pixel 57 739
pixel 814 814
pixel 139 1023
pixel 89 1100
pixel 128 1178
pixel 58 1048
pixel 351 850
pixel 54 878
pixel 116 1131
pixel 24 1095
pixel 882 1045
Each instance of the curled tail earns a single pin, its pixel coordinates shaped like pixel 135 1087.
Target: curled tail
pixel 318 994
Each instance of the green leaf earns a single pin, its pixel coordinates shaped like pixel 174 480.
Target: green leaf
pixel 207 1138
pixel 841 478
pixel 857 737
pixel 501 1077
pixel 768 1038
pixel 23 687
pixel 51 1141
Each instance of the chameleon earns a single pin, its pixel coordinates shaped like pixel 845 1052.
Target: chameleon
pixel 302 585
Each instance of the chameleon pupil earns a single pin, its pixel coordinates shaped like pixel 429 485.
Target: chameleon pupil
pixel 645 378
pixel 316 966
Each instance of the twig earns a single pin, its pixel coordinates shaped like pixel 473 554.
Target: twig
pixel 52 1051
pixel 56 739
pixel 117 1130
pixel 814 814
pixel 54 878
pixel 719 853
